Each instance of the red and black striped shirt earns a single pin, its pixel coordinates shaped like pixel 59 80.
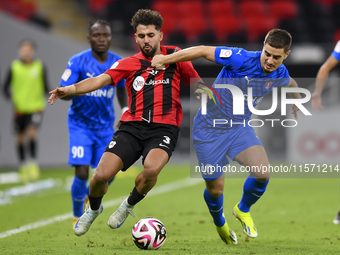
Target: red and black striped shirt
pixel 153 94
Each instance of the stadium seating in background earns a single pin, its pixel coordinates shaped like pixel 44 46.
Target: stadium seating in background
pixel 231 21
pixel 25 11
pixel 193 27
pixel 250 8
pixel 97 7
pixel 258 26
pixel 181 18
pixel 167 8
pixel 284 9
pixel 220 8
pixel 22 10
pixel 224 26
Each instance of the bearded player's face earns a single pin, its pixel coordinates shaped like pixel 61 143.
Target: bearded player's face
pixel 148 39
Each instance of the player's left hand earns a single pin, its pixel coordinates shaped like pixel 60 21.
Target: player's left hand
pixel 158 62
pixel 295 109
pixel 58 93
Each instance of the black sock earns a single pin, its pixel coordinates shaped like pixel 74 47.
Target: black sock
pixel 95 202
pixel 33 148
pixel 21 152
pixel 135 197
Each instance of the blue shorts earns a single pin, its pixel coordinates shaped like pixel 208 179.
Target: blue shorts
pixel 87 146
pixel 212 149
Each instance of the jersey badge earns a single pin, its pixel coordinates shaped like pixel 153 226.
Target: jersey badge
pixel 268 84
pixel 67 73
pixel 225 53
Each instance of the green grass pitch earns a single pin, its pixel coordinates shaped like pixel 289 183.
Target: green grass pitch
pixel 293 217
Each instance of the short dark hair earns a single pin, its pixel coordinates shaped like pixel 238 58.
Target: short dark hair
pixel 99 21
pixel 279 38
pixel 147 17
pixel 31 42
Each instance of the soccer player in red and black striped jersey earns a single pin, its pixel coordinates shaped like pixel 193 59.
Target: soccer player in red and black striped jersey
pixel 149 128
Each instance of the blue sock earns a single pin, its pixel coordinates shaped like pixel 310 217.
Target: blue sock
pixel 215 206
pixel 252 191
pixel 78 193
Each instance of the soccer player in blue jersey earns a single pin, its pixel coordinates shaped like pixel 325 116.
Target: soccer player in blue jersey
pixel 91 116
pixel 262 71
pixel 332 61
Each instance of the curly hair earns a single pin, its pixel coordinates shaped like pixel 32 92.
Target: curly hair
pixel 279 38
pixel 147 17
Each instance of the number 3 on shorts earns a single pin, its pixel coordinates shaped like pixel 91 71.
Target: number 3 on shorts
pixel 166 139
pixel 77 151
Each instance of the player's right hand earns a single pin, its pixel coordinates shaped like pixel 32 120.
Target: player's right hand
pixel 158 62
pixel 317 101
pixel 58 93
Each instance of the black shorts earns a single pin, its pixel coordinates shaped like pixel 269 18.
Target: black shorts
pixel 135 139
pixel 22 121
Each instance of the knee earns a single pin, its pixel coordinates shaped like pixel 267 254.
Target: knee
pixel 82 172
pixel 263 174
pixel 101 176
pixel 215 191
pixel 150 172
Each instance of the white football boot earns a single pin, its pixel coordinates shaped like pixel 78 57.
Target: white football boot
pixel 84 222
pixel 118 217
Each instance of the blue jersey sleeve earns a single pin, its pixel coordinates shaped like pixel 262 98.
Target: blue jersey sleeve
pixel 231 58
pixel 336 52
pixel 121 83
pixel 71 74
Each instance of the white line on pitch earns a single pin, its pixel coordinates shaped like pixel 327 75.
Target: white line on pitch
pixel 156 191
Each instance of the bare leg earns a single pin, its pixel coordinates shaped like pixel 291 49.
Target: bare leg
pixel 153 164
pixel 109 165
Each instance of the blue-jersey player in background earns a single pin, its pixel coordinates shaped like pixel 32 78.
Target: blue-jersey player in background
pixel 91 116
pixel 262 71
pixel 321 77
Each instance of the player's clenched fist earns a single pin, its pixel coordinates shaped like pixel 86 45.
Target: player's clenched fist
pixel 158 62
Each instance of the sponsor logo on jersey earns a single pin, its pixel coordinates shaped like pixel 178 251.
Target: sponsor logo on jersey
pixel 152 82
pixel 101 93
pixel 67 73
pixel 139 82
pixel 225 53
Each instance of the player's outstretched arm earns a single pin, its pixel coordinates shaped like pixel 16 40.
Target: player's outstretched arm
pixel 160 61
pixel 81 87
pixel 321 78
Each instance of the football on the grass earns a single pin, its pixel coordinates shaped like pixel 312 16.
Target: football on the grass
pixel 149 233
